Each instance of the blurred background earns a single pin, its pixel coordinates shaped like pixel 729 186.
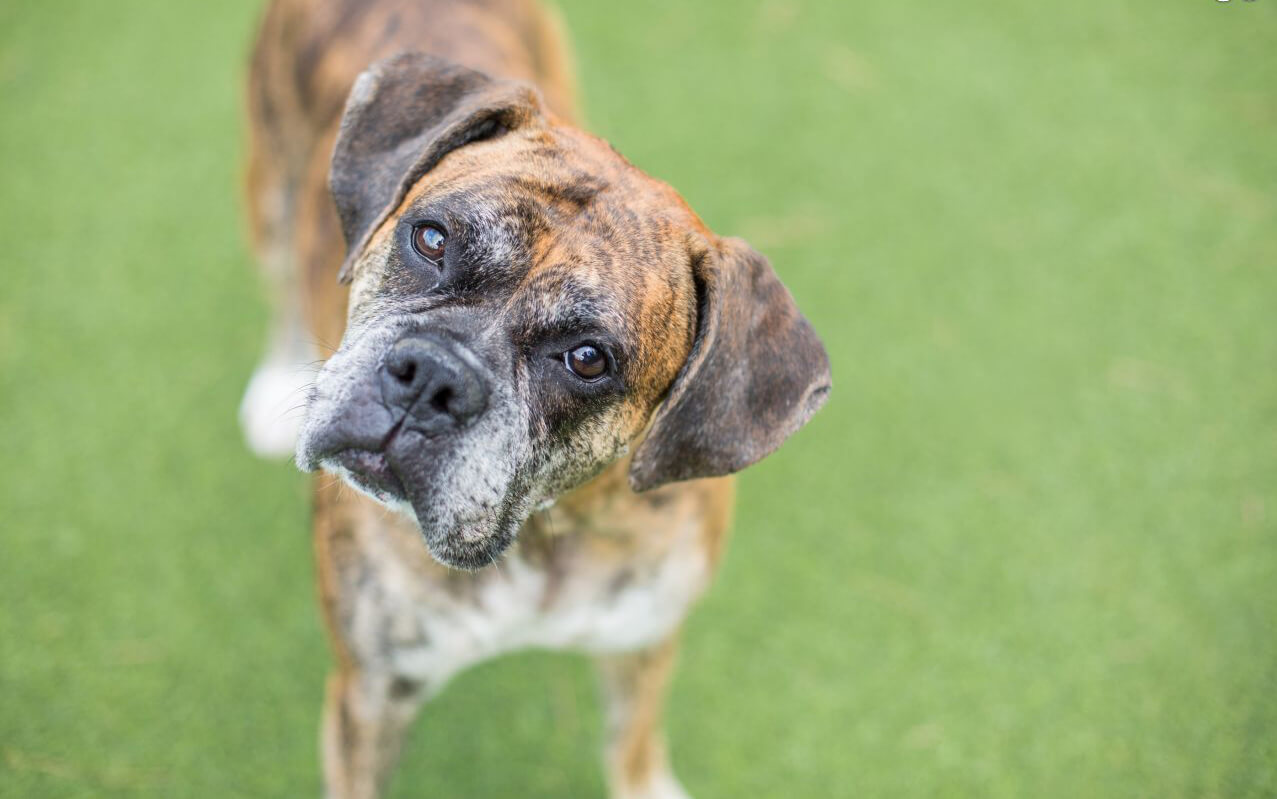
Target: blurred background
pixel 1028 549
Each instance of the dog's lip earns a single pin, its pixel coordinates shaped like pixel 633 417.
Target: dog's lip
pixel 371 469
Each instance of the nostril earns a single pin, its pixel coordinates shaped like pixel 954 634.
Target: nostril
pixel 441 399
pixel 404 371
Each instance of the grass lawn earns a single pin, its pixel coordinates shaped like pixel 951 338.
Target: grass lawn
pixel 1029 549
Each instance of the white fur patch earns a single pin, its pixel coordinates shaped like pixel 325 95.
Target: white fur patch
pixel 511 612
pixel 662 786
pixel 271 412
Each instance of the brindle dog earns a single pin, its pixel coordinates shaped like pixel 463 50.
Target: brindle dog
pixel 548 365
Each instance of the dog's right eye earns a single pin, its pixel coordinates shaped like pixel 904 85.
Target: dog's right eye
pixel 429 240
pixel 586 361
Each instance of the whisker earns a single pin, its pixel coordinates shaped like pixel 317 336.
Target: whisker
pixel 322 345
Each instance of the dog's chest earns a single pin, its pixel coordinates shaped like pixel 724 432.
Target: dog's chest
pixel 567 600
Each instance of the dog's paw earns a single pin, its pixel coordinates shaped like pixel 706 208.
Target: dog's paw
pixel 271 412
pixel 662 786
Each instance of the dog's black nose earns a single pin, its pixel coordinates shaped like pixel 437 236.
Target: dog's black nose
pixel 426 378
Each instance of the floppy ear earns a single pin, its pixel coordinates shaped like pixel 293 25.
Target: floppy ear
pixel 403 115
pixel 757 372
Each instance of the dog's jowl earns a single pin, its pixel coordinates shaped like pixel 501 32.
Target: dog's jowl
pixel 543 360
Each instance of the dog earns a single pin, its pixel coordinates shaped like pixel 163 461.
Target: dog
pixel 548 366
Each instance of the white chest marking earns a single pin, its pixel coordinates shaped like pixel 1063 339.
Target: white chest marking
pixel 583 613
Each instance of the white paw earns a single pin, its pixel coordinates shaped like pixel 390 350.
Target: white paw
pixel 662 786
pixel 668 788
pixel 271 412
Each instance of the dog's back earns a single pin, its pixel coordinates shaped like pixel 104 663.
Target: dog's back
pixel 309 52
pixel 307 55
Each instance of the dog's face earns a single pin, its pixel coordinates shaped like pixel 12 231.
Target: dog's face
pixel 522 301
pixel 512 325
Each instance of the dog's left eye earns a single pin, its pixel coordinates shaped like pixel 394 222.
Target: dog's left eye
pixel 586 361
pixel 428 241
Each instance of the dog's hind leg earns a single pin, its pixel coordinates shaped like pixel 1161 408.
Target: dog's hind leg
pixel 270 412
pixel 634 689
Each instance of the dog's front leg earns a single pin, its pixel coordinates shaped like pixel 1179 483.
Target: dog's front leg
pixel 634 689
pixel 366 715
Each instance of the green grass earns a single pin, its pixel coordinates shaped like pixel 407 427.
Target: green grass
pixel 1028 549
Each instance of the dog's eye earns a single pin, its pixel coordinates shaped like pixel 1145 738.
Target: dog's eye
pixel 586 361
pixel 428 241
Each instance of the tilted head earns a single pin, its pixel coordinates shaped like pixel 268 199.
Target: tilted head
pixel 525 308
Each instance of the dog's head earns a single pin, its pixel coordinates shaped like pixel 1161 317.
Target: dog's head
pixel 525 306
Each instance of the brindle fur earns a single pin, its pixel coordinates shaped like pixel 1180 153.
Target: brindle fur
pixel 605 569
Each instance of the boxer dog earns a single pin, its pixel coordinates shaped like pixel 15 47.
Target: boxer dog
pixel 548 366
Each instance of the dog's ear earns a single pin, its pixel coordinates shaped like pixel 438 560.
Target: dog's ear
pixel 756 373
pixel 403 115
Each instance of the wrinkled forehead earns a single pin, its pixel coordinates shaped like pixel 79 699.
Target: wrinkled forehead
pixel 557 197
pixel 557 221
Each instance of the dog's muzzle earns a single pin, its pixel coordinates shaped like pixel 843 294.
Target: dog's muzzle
pixel 421 385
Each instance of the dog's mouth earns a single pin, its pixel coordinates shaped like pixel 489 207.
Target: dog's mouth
pixel 371 472
pixel 467 502
pixel 464 542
